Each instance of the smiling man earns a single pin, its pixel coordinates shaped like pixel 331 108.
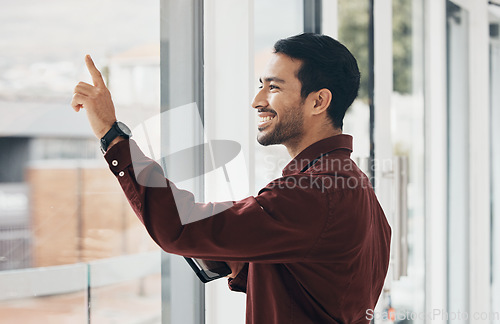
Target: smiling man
pixel 313 245
pixel 287 116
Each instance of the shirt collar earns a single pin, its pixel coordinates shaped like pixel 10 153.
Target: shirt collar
pixel 313 152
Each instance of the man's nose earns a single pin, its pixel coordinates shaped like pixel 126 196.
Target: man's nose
pixel 260 100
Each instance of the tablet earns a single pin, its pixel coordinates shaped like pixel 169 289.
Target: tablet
pixel 208 270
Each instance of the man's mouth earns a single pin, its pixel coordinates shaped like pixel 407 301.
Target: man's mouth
pixel 265 117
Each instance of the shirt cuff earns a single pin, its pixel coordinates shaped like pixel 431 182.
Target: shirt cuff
pixel 119 156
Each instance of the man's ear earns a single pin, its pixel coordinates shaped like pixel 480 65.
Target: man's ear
pixel 322 100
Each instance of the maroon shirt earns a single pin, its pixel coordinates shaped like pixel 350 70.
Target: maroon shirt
pixel 316 240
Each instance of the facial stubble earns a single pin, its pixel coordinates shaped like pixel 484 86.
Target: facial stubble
pixel 288 127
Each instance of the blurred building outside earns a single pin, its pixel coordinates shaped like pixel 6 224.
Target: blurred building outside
pixel 60 204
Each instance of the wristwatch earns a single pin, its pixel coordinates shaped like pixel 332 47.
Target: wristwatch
pixel 118 129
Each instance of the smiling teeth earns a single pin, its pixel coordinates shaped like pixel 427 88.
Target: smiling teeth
pixel 264 119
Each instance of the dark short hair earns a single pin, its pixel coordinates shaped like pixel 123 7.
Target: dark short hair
pixel 326 63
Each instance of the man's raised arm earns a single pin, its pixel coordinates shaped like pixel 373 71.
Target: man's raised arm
pixel 278 225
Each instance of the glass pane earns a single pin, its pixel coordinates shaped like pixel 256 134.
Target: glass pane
pixel 126 289
pixel 458 156
pixel 270 27
pixel 59 203
pixel 44 295
pixel 353 32
pixel 407 133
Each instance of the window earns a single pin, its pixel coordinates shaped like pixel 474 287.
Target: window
pixel 65 225
pixel 407 132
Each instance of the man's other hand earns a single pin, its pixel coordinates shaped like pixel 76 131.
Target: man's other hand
pixel 96 99
pixel 235 268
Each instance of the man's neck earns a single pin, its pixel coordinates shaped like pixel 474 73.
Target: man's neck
pixel 297 146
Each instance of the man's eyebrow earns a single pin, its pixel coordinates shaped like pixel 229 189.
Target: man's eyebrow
pixel 271 79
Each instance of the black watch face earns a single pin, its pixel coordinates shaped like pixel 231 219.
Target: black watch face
pixel 124 128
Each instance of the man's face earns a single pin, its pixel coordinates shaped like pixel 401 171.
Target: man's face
pixel 279 103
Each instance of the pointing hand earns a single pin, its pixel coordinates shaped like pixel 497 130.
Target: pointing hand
pixel 96 99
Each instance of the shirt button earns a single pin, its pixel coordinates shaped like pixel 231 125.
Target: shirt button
pixel 121 174
pixel 114 163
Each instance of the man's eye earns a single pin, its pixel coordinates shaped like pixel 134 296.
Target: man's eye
pixel 271 87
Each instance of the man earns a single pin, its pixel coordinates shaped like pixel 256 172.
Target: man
pixel 313 245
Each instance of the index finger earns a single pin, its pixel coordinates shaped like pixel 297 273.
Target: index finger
pixel 94 72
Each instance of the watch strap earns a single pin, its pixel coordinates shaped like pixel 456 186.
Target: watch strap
pixel 113 133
